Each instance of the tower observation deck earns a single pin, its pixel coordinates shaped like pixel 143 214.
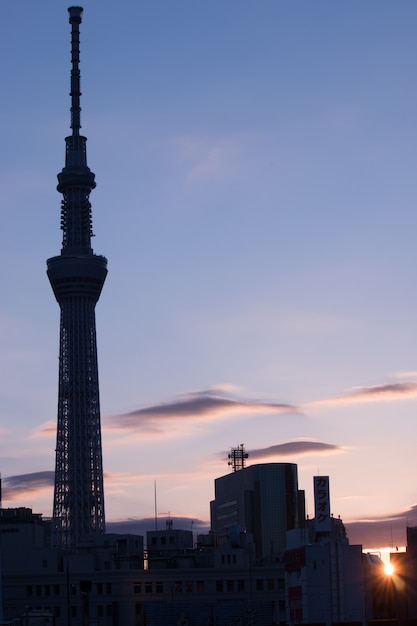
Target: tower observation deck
pixel 77 276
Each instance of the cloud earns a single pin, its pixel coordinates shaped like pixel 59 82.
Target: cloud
pixel 294 448
pixel 205 159
pixel 47 429
pixel 382 531
pixel 194 406
pixel 375 393
pixel 16 486
pixel 140 526
pixel 410 374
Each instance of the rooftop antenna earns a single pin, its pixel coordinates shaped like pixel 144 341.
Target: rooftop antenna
pixel 237 457
pixel 156 509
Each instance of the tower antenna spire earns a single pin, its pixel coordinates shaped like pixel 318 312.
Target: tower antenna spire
pixel 75 93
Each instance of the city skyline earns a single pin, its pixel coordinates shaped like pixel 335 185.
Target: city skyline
pixel 256 197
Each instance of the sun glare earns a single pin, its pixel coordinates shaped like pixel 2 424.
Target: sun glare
pixel 389 569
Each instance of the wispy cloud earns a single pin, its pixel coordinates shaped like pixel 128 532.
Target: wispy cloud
pixel 14 487
pixel 192 407
pixel 219 403
pixel 385 530
pixel 47 429
pixel 375 393
pixel 206 159
pixel 140 526
pixel 294 448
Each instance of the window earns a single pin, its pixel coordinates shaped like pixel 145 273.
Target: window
pixel 188 586
pixel 178 586
pixel 241 585
pixel 219 586
pixel 47 590
pixel 108 588
pixel 159 587
pixel 163 541
pixel 230 585
pixel 148 587
pixel 281 583
pixel 99 610
pixel 137 588
pixel 56 590
pixel 73 611
pixel 100 589
pixel 259 584
pixel 29 590
pixel 109 610
pixel 200 586
pixel 154 541
pixel 270 584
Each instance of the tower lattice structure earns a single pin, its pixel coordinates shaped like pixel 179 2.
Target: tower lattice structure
pixel 77 276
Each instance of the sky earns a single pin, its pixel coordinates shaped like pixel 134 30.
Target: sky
pixel 256 200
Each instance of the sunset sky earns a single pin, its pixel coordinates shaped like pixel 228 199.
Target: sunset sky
pixel 257 202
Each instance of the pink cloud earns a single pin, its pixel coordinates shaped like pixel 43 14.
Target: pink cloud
pixel 294 448
pixel 375 393
pixel 192 407
pixel 26 485
pixel 47 429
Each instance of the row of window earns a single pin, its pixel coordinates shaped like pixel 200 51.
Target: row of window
pixel 230 559
pixel 171 538
pixel 55 590
pixel 199 586
pixel 102 610
pixel 149 586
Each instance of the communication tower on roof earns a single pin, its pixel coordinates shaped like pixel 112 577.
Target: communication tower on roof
pixel 237 457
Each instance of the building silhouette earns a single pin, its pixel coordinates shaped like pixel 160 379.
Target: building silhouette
pixel 77 276
pixel 262 499
pixel 167 579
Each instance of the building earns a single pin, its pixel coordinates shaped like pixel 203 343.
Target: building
pixel 262 500
pixel 77 276
pixel 323 573
pixel 107 582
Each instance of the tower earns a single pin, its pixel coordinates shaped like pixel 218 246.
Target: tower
pixel 77 276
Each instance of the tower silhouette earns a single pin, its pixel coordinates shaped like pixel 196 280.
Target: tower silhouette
pixel 77 277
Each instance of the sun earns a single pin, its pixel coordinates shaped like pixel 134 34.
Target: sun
pixel 389 569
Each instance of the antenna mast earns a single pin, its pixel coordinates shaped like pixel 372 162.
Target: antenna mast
pixel 237 457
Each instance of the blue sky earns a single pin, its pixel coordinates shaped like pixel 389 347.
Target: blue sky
pixel 256 200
